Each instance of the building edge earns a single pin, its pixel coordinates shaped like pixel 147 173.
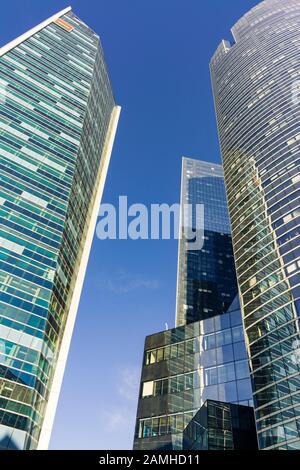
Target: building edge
pixel 177 322
pixel 34 30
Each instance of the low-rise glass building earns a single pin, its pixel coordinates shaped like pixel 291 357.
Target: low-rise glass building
pixel 182 368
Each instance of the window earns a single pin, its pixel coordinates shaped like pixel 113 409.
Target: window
pixel 173 385
pixel 237 334
pixel 225 354
pixel 209 341
pixel 179 423
pixel 291 268
pixel 180 383
pixel 189 381
pixel 180 350
pixel 239 350
pixel 210 376
pixel 226 373
pixel 163 425
pixel 190 346
pixel 173 424
pixel 148 389
pixel 161 387
pixel 167 352
pixel 223 337
pixel 150 357
pixel 146 428
pixel 287 218
pixel 160 355
pixel 244 389
pixel 296 179
pixel 155 426
pixel 174 350
pixel 242 369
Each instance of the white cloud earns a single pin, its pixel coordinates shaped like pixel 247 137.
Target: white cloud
pixel 119 419
pixel 128 382
pixel 125 282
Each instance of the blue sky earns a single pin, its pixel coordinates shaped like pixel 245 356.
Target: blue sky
pixel 157 53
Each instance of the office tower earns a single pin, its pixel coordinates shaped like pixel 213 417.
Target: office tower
pixel 206 283
pixel 256 90
pixel 58 120
pixel 205 359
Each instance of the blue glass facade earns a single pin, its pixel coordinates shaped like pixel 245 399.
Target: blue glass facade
pixel 221 426
pixel 184 367
pixel 206 278
pixel 56 106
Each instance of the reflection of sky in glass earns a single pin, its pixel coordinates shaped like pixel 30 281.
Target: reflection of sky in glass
pixel 203 183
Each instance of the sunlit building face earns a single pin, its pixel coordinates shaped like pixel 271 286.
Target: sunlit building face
pixel 58 119
pixel 255 84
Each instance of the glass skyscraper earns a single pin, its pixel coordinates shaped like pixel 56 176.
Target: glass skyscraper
pixel 205 358
pixel 58 120
pixel 206 284
pixel 256 83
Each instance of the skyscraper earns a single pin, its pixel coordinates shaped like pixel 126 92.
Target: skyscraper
pixel 256 90
pixel 204 359
pixel 58 121
pixel 206 283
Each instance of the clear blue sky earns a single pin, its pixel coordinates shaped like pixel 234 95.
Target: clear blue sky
pixel 158 53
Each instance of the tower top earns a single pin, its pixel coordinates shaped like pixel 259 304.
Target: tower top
pixel 30 32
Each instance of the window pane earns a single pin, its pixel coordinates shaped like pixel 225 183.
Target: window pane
pixel 244 389
pixel 160 355
pixel 223 337
pixel 209 341
pixel 189 381
pixel 141 429
pixel 173 385
pixel 173 423
pixel 148 388
pixel 242 369
pixel 180 383
pixel 164 386
pixel 148 358
pixel 208 358
pixel 190 346
pixel 152 357
pixel 155 426
pixel 239 350
pixel 174 350
pixel 167 352
pixel 163 425
pixel 226 373
pixel 181 349
pixel 210 376
pixel 225 354
pixel 179 423
pixel 157 387
pixel 237 334
pixel 147 428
